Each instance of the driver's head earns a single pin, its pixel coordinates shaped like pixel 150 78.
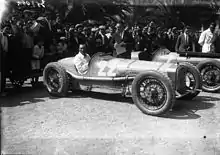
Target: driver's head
pixel 82 49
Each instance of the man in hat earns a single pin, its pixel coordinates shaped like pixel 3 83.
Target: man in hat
pixel 79 34
pixel 79 27
pixel 207 39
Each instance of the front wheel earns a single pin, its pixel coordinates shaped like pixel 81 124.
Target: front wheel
pixel 152 92
pixel 56 79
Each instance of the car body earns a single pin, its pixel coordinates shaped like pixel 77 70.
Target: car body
pixel 153 86
pixel 207 63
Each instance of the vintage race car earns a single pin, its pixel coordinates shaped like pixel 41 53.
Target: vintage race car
pixel 153 86
pixel 207 63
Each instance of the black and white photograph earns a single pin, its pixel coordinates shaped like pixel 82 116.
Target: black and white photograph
pixel 110 77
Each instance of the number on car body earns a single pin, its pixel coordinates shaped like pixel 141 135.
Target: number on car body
pixel 106 68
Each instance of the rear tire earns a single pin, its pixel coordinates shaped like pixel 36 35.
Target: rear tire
pixel 204 68
pixel 56 80
pixel 164 93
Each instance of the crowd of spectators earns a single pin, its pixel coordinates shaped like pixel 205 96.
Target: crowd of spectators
pixel 35 35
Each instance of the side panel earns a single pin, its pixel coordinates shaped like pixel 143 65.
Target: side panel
pixel 193 60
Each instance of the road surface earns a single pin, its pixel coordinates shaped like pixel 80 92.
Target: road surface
pixel 98 124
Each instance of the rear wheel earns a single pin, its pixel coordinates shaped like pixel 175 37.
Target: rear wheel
pixel 210 71
pixel 189 81
pixel 56 79
pixel 152 92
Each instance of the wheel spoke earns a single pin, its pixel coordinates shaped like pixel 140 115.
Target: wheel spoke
pixel 152 93
pixel 53 80
pixel 211 76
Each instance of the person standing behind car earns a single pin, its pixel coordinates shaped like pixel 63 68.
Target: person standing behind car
pixel 37 55
pixel 101 40
pixel 3 52
pixel 207 39
pixel 28 44
pixel 185 42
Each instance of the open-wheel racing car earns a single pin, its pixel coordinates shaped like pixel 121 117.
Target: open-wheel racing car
pixel 153 86
pixel 207 63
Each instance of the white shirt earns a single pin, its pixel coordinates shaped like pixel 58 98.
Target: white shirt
pixel 38 52
pixel 82 63
pixel 206 41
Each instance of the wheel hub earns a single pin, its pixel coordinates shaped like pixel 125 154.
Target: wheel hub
pixel 211 76
pixel 53 80
pixel 152 92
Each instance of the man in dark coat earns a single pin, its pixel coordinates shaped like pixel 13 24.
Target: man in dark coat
pixel 3 52
pixel 128 40
pixel 185 42
pixel 101 40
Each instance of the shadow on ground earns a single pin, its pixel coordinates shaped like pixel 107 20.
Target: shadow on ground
pixel 187 109
pixel 24 95
pixel 181 110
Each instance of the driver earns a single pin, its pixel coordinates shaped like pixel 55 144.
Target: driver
pixel 81 60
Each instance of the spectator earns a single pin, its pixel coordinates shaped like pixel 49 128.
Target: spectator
pixel 102 40
pixel 207 38
pixel 109 35
pixel 139 41
pixel 128 40
pixel 91 42
pixel 62 48
pixel 185 42
pixel 3 53
pixel 38 53
pixel 28 44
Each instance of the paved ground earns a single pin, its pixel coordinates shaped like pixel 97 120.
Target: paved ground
pixel 99 124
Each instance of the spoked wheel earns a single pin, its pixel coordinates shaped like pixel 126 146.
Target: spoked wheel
pixel 152 92
pixel 56 79
pixel 210 72
pixel 188 81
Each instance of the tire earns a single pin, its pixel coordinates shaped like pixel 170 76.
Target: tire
pixel 164 84
pixel 185 92
pixel 50 80
pixel 214 66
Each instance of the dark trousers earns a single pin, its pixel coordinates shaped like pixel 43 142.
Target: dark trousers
pixel 144 56
pixel 127 54
pixel 2 70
